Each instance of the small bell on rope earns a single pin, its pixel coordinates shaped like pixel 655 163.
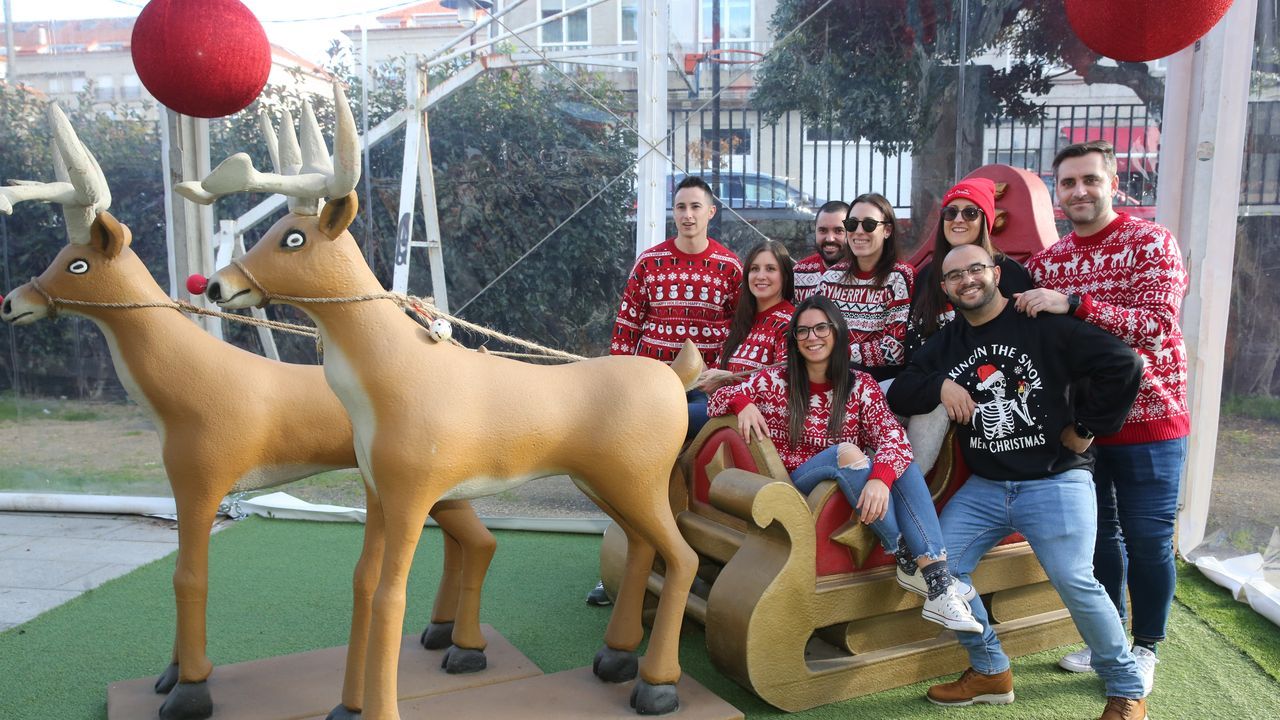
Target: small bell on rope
pixel 440 330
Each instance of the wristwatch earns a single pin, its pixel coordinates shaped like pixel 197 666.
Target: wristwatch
pixel 1083 432
pixel 1073 303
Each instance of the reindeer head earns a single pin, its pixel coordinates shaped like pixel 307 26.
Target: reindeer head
pixel 96 265
pixel 309 252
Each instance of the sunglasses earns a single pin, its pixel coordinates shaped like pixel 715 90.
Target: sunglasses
pixel 970 213
pixel 973 270
pixel 820 330
pixel 869 225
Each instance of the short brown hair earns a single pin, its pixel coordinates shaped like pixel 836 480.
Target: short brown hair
pixel 1102 147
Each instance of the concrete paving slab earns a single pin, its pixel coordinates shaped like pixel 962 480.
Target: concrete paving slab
pixel 111 552
pixel 42 574
pixel 6 626
pixel 60 525
pixel 18 605
pixel 11 541
pixel 144 529
pixel 96 577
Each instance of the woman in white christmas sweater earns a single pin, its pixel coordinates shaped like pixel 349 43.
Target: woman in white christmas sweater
pixel 825 419
pixel 874 294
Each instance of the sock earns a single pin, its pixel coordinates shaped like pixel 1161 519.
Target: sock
pixel 1145 643
pixel 905 559
pixel 937 578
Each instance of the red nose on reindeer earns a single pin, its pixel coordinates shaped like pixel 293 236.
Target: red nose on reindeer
pixel 197 283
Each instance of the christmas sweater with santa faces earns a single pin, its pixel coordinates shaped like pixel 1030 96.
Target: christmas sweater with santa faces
pixel 1131 282
pixel 1026 377
pixel 877 315
pixel 868 422
pixel 672 296
pixel 766 342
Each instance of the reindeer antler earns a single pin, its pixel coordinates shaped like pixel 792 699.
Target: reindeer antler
pixel 81 188
pixel 303 171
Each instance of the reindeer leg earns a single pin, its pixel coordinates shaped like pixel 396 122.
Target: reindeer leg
pixel 439 631
pixel 190 699
pixel 616 662
pixel 364 582
pixel 477 546
pixel 169 677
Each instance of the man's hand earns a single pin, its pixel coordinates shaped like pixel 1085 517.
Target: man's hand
pixel 873 502
pixel 713 379
pixel 957 401
pixel 1073 442
pixel 1034 302
pixel 751 421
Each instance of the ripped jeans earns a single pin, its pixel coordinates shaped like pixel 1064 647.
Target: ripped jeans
pixel 910 514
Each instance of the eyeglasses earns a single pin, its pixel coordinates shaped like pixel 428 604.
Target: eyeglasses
pixel 970 213
pixel 868 225
pixel 820 330
pixel 973 270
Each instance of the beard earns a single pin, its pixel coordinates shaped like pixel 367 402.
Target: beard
pixel 831 252
pixel 988 294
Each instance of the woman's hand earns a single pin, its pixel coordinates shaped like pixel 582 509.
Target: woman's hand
pixel 713 379
pixel 751 421
pixel 873 502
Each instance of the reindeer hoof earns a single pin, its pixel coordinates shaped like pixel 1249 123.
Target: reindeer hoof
pixel 167 679
pixel 459 661
pixel 437 636
pixel 188 701
pixel 615 666
pixel 649 699
pixel 340 712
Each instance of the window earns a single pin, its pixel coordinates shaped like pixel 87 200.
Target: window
pixel 736 22
pixel 572 30
pixel 628 19
pixel 131 88
pixel 732 141
pixel 105 88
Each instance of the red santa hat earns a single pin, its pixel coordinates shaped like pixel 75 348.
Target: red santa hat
pixel 980 192
pixel 987 375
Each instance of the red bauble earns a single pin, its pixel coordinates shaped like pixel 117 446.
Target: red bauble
pixel 1142 30
pixel 204 58
pixel 197 284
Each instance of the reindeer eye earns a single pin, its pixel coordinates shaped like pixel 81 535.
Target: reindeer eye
pixel 293 240
pixel 78 267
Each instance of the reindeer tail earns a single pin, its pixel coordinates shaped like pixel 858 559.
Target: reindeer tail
pixel 688 365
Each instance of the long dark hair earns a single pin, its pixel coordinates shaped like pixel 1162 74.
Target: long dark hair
pixel 837 372
pixel 744 317
pixel 888 252
pixel 924 315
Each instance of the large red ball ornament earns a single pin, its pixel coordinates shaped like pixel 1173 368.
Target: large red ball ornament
pixel 1142 30
pixel 204 58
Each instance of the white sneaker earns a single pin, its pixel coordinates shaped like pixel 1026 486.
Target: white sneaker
pixel 1146 667
pixel 951 612
pixel 915 583
pixel 1077 661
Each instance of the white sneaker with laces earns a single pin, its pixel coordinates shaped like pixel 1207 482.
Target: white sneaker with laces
pixel 1146 667
pixel 914 583
pixel 1077 661
pixel 951 612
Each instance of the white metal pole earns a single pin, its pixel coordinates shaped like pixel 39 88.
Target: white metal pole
pixel 1206 105
pixel 651 124
pixel 430 215
pixel 408 181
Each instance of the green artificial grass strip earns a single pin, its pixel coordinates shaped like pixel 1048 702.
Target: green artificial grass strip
pixel 1256 636
pixel 280 587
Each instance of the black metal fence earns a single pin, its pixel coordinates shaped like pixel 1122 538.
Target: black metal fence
pixel 1260 189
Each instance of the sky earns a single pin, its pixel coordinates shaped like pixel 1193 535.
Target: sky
pixel 304 26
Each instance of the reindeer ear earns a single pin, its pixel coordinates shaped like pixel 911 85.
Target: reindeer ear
pixel 109 235
pixel 338 214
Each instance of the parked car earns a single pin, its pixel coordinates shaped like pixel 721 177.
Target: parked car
pixel 756 196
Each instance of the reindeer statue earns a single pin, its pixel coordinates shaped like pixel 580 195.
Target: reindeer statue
pixel 434 420
pixel 228 420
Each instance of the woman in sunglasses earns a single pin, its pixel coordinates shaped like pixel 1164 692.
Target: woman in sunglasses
pixel 967 218
pixel 831 422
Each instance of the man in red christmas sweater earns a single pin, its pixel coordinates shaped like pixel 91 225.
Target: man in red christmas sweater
pixel 1126 276
pixel 830 240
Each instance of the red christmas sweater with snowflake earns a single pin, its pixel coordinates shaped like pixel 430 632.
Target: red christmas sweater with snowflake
pixel 877 316
pixel 672 296
pixel 766 342
pixel 1131 282
pixel 868 423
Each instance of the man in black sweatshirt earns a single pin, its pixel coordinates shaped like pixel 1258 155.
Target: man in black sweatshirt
pixel 1014 385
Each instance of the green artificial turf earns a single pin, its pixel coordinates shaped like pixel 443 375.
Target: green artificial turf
pixel 281 587
pixel 1234 620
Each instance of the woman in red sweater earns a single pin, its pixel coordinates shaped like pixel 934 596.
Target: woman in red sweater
pixel 825 418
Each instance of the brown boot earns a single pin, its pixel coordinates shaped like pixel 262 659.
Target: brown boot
pixel 974 687
pixel 1123 708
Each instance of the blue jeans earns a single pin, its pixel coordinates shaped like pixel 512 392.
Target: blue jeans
pixel 910 512
pixel 1137 504
pixel 697 412
pixel 1057 515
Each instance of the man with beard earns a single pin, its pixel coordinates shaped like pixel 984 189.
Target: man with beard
pixel 1030 475
pixel 830 241
pixel 1125 276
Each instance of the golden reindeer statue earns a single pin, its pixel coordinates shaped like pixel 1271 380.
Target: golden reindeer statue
pixel 434 420
pixel 228 420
